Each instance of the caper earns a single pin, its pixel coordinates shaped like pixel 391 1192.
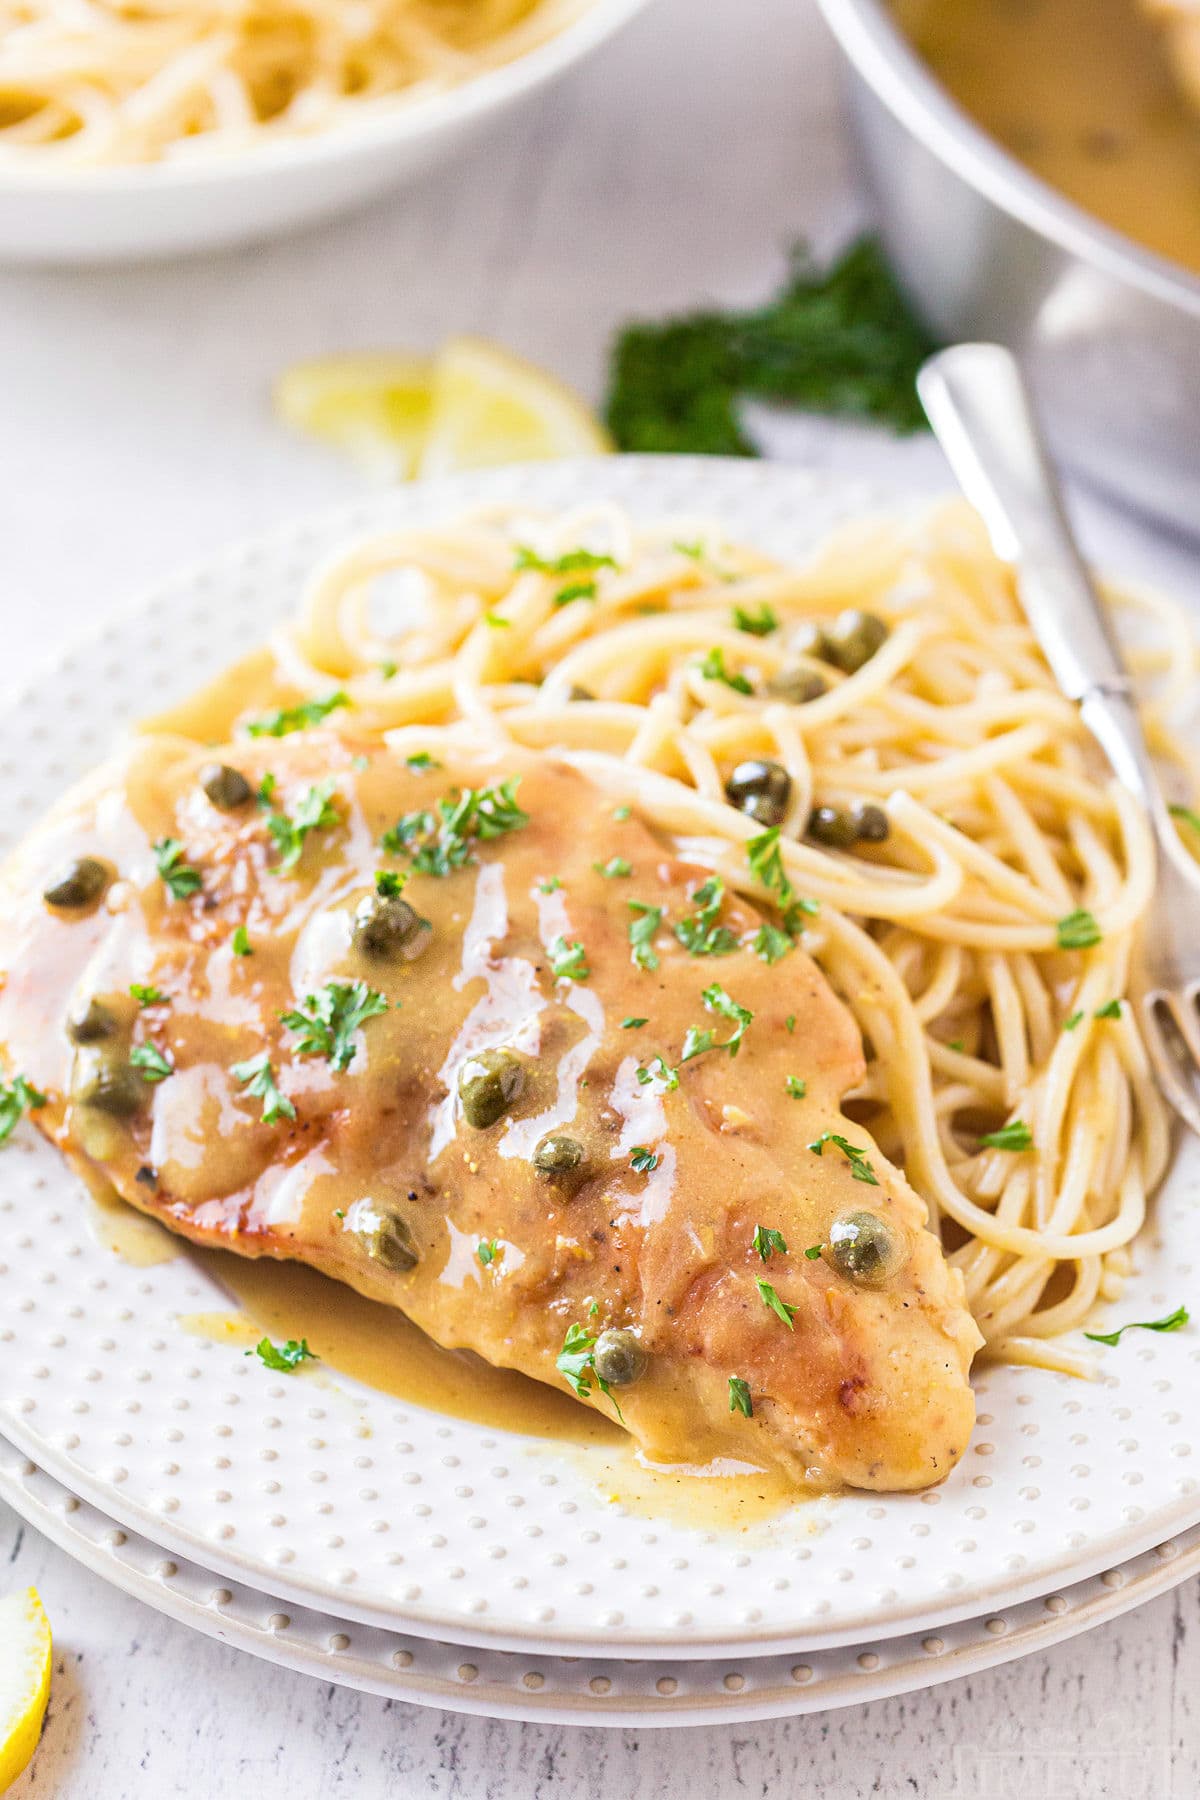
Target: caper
pixel 870 822
pixel 386 925
pixel 618 1357
pixel 761 790
pixel 108 1083
pixel 79 883
pixel 865 1248
pixel 383 1234
pixel 91 1022
pixel 797 686
pixel 853 638
pixel 832 826
pixel 811 639
pixel 558 1158
pixel 225 787
pixel 488 1083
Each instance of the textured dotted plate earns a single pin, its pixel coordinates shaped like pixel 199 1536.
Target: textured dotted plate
pixel 330 1494
pixel 570 1689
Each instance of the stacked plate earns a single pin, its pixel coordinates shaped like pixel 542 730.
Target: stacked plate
pixel 326 1525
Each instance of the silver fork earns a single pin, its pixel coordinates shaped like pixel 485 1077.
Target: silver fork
pixel 981 412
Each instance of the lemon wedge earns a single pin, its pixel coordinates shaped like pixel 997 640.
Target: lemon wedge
pixel 492 407
pixel 25 1659
pixel 373 405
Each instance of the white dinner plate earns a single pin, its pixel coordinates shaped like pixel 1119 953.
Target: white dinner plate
pixel 565 1690
pixel 331 1494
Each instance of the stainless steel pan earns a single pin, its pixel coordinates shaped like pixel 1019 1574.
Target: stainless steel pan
pixel 1109 333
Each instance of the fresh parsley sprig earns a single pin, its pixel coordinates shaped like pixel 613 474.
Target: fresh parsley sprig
pixel 768 1241
pixel 150 1063
pixel 286 719
pixel 17 1097
pixel 258 1078
pixel 180 879
pixel 315 811
pixel 1174 1321
pixel 285 1359
pixel 642 929
pixel 576 1362
pixel 699 933
pixel 328 1021
pixel 860 1167
pixel 772 1301
pixel 442 842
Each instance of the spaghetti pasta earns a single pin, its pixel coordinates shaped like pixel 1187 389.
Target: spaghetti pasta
pixel 113 81
pixel 985 945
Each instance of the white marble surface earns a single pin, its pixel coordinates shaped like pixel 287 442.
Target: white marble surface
pixel 135 434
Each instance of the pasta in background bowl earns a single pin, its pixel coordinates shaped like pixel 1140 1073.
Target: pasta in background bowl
pixel 196 127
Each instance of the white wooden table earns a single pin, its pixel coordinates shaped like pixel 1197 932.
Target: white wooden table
pixel 135 434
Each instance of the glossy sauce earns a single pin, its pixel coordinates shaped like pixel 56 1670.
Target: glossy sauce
pixel 1081 92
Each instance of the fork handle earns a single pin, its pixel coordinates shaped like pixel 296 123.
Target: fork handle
pixel 981 412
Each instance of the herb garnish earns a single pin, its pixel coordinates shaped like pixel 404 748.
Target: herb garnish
pixel 759 624
pixel 1110 1010
pixel 258 1078
pixel 575 590
pixel 568 962
pixel 577 1362
pixel 697 1040
pixel 647 1072
pixel 767 1241
pixel 420 760
pixel 388 669
pixel 150 1062
pixel 389 885
pixel 641 932
pixel 287 719
pixel 839 340
pixel 147 996
pixel 241 942
pixel 551 886
pixel 771 943
pixel 797 1087
pixel 860 1168
pixel 770 1298
pixel 813 1252
pixel 567 564
pixel 180 878
pixel 1014 1136
pixel 1078 931
pixel 314 812
pixel 283 1358
pixel 439 844
pixel 699 934
pixel 621 813
pixel 1189 817
pixel 739 1397
pixel 327 1021
pixel 16 1097
pixel 789 1024
pixel 713 669
pixel 1072 1022
pixel 632 1024
pixel 765 860
pixel 487 1250
pixel 1173 1322
pixel 615 868
pixel 643 1160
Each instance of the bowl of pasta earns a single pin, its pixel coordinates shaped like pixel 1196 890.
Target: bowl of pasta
pixel 131 132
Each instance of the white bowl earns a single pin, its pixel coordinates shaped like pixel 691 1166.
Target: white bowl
pixel 127 211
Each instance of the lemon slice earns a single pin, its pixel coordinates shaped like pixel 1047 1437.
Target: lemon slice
pixel 490 407
pixel 373 405
pixel 25 1658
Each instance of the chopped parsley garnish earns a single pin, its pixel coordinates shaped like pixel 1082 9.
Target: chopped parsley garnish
pixel 789 1024
pixel 632 1024
pixel 770 1298
pixel 576 1361
pixel 643 1160
pixel 614 869
pixel 1110 1010
pixel 570 563
pixel 497 623
pixel 241 942
pixel 1014 1136
pixel 699 934
pixel 1078 931
pixel 150 1062
pixel 765 860
pixel 487 1250
pixel 551 886
pixel 16 1097
pixel 713 669
pixel 147 996
pixel 388 668
pixel 181 879
pixel 421 760
pixel 813 1252
pixel 641 932
pixel 771 943
pixel 767 1241
pixel 739 1397
pixel 621 813
pixel 258 1078
pixel 283 1358
pixel 860 1168
pixel 759 624
pixel 287 719
pixel 1189 817
pixel 1173 1322
pixel 327 1021
pixel 658 1069
pixel 797 1087
pixel 569 961
pixel 1071 1023
pixel 389 885
pixel 836 340
pixel 695 549
pixel 698 1041
pixel 315 811
pixel 575 590
pixel 440 843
